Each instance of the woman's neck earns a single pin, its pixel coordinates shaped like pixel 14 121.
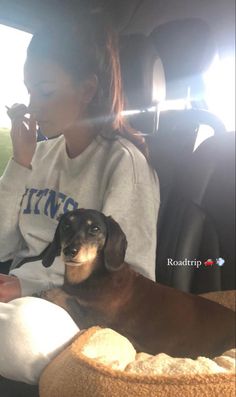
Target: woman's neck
pixel 78 139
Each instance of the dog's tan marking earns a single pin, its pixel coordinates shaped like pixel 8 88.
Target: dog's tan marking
pixel 89 222
pixel 82 266
pixel 86 254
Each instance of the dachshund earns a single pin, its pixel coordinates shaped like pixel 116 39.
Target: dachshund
pixel 101 289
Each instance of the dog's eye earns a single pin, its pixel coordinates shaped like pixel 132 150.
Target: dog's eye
pixel 94 229
pixel 65 226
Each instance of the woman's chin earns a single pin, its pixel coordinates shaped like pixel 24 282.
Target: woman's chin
pixel 49 132
pixel 53 135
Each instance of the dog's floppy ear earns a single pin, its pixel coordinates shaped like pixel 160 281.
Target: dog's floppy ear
pixel 115 246
pixel 53 250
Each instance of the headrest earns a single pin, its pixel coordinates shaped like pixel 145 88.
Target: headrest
pixel 186 48
pixel 142 72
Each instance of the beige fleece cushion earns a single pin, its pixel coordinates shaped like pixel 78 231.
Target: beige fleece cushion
pixel 110 348
pixel 91 366
pixel 162 364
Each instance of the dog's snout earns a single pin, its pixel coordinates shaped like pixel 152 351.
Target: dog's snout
pixel 70 252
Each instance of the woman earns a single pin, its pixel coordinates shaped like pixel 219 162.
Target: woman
pixel 72 75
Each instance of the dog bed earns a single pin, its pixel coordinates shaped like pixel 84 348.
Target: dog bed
pixel 95 364
pixel 102 363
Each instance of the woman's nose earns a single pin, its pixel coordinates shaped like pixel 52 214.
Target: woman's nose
pixel 32 108
pixel 34 104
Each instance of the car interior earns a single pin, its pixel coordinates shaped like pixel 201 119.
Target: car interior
pixel 165 49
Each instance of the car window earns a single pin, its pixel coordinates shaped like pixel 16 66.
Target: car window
pixel 13 45
pixel 220 89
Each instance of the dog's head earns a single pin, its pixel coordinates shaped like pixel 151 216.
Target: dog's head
pixel 82 235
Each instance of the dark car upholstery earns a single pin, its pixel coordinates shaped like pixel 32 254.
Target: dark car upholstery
pixel 192 222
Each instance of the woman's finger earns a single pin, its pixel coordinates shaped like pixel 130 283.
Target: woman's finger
pixel 4 278
pixel 16 111
pixel 19 120
pixel 10 289
pixel 32 125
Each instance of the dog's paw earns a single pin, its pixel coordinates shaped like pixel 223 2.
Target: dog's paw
pixel 51 294
pixel 57 296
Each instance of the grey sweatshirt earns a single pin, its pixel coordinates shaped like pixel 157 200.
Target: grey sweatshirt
pixel 111 176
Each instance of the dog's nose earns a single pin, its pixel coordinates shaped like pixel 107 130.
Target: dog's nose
pixel 70 252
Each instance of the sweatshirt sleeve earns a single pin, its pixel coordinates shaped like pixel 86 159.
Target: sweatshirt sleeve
pixel 12 189
pixel 133 200
pixel 34 277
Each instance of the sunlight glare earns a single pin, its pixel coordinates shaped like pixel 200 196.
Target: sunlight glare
pixel 13 46
pixel 220 90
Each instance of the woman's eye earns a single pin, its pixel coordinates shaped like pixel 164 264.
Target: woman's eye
pixel 47 94
pixel 46 89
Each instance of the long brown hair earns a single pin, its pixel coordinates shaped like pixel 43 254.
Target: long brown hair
pixel 85 45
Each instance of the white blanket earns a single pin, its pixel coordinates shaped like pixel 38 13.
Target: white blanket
pixel 32 332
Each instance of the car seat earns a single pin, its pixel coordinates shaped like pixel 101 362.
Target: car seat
pixel 187 227
pixel 199 221
pixel 187 48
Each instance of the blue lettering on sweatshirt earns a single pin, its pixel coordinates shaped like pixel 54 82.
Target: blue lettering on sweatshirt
pixel 29 193
pixel 47 202
pixel 40 194
pixel 70 205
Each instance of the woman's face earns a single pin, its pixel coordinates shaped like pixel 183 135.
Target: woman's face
pixel 56 101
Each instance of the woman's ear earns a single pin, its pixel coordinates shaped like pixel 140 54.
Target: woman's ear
pixel 89 88
pixel 53 250
pixel 115 246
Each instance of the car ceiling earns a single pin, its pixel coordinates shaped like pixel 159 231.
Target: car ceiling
pixel 133 16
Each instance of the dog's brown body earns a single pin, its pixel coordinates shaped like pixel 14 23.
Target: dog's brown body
pixel 154 317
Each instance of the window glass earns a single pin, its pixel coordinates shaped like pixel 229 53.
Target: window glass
pixel 13 45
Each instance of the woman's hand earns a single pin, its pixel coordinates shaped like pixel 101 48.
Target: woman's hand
pixel 9 288
pixel 23 135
